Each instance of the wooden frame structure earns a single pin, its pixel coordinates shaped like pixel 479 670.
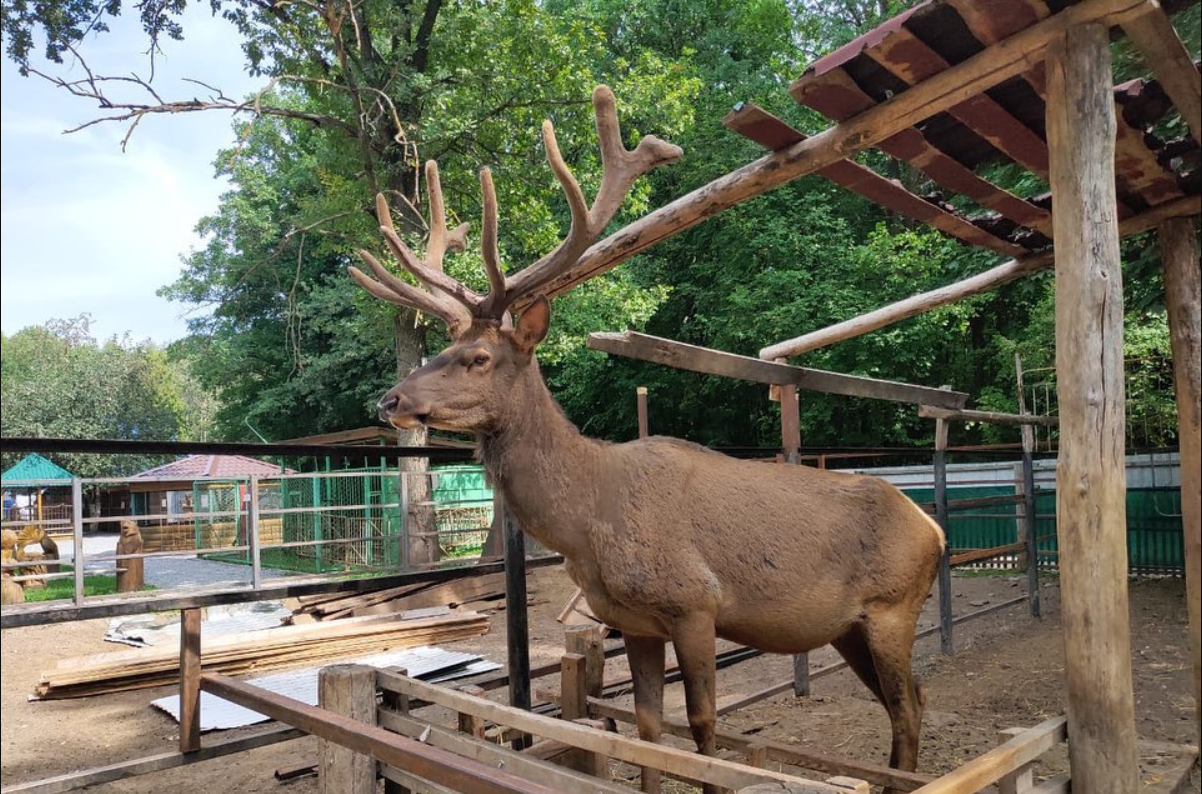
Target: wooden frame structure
pixel 946 87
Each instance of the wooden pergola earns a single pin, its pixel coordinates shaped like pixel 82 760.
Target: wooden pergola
pixel 949 87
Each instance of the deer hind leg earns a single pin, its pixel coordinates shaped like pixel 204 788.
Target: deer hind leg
pixel 890 639
pixel 693 638
pixel 646 656
pixel 853 647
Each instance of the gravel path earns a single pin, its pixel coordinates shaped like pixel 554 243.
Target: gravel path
pixel 168 573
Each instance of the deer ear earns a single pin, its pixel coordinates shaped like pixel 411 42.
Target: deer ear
pixel 532 325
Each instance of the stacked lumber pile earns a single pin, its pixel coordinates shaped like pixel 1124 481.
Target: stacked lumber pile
pixel 256 652
pixel 471 590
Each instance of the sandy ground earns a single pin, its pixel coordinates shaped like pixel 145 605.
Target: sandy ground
pixel 1007 672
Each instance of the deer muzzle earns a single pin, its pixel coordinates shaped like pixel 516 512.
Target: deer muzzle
pixel 400 411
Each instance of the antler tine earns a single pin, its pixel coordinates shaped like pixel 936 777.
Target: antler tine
pixel 488 242
pixel 435 280
pixel 436 246
pixel 620 170
pixel 390 288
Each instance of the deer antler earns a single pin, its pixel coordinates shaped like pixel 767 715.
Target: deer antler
pixel 454 302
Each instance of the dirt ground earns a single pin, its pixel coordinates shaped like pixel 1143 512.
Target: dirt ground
pixel 1007 672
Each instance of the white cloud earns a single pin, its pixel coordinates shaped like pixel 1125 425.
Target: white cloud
pixel 87 228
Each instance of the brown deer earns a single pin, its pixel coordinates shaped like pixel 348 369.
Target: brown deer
pixel 668 540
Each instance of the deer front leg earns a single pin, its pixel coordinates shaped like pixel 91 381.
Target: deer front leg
pixel 646 657
pixel 694 640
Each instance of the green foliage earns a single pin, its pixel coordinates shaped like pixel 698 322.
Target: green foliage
pixel 60 382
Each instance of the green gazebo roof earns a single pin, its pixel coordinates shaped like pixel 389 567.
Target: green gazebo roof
pixel 34 467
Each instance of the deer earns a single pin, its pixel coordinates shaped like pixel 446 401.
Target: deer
pixel 669 541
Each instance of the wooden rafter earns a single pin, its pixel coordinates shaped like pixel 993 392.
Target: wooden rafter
pixel 1166 55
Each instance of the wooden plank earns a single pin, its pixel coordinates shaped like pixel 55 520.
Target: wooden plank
pixel 348 690
pixel 640 395
pixel 499 756
pixel 189 681
pixel 976 555
pixel 986 769
pixel 975 285
pixel 989 417
pixel 762 127
pixel 1163 51
pixel 994 65
pixel 1138 168
pixel 1182 286
pixel 715 362
pixel 431 763
pixel 153 763
pixel 787 753
pixel 836 95
pixel 716 771
pixel 1091 507
pixel 57 612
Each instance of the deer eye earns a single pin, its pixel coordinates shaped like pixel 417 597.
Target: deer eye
pixel 479 360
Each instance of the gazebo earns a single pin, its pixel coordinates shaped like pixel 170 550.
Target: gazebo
pixel 37 479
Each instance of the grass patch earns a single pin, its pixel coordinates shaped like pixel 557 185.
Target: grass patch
pixel 56 589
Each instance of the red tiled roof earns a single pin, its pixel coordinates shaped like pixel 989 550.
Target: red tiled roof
pixel 198 466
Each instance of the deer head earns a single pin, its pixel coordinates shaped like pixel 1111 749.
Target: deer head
pixel 471 384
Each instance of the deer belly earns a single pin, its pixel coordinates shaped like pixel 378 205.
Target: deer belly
pixel 776 630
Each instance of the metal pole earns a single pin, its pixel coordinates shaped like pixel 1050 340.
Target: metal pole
pixel 946 641
pixel 790 441
pixel 403 558
pixel 252 520
pixel 77 536
pixel 516 620
pixel 1029 519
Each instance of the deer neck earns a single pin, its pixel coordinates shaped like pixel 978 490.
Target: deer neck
pixel 544 468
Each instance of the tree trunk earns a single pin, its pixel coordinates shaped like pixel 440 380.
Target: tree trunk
pixel 421 536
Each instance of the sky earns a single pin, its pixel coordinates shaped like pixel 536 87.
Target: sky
pixel 87 228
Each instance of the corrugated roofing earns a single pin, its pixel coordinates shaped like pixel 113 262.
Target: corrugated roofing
pixel 196 467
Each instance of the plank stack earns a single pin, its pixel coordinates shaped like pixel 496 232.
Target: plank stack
pixel 421 595
pixel 256 652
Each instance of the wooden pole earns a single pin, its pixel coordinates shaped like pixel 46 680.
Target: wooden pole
pixel 946 640
pixel 641 399
pixel 252 535
pixel 1030 521
pixel 348 690
pixel 189 681
pixel 1182 284
pixel 77 555
pixel 395 702
pixel 1091 509
pixel 586 641
pixel 790 441
pixel 516 620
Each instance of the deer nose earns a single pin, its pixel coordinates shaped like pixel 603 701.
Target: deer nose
pixel 388 405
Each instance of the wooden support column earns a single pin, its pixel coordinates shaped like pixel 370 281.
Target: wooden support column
pixel 189 681
pixel 1091 510
pixel 348 690
pixel 398 703
pixel 517 625
pixel 790 441
pixel 641 402
pixel 946 641
pixel 586 641
pixel 1182 283
pixel 1030 520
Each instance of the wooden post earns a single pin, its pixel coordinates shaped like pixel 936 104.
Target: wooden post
pixel 348 690
pixel 189 681
pixel 939 465
pixel 1091 509
pixel 641 401
pixel 586 641
pixel 1030 520
pixel 470 723
pixel 252 535
pixel 1179 252
pixel 398 702
pixel 1021 780
pixel 790 441
pixel 77 555
pixel 516 620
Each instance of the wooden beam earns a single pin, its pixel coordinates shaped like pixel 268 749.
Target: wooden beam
pixel 986 769
pixel 153 763
pixel 715 362
pixel 1153 34
pixel 712 770
pixel 988 68
pixel 976 555
pixel 348 690
pixel 1182 285
pixel 189 681
pixel 430 763
pixel 1091 508
pixel 988 417
pixel 498 756
pixel 767 130
pixel 974 285
pixel 787 753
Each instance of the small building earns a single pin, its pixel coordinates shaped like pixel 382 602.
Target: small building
pixel 37 490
